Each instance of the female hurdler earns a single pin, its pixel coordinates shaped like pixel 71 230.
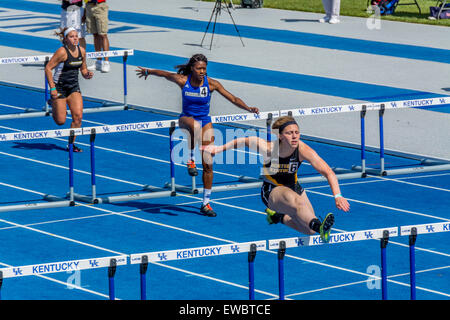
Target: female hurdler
pixel 196 88
pixel 64 85
pixel 284 197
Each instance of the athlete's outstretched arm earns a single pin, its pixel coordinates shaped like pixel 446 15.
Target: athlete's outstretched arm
pixel 171 76
pixel 216 85
pixel 254 143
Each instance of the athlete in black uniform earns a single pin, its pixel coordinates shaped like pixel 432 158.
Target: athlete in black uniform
pixel 64 86
pixel 285 199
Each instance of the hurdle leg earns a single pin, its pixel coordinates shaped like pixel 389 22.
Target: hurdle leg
pixel 363 141
pixel 412 261
pixel 384 242
pixel 125 86
pixel 381 126
pixel 1 283
pixel 93 182
pixel 281 254
pixel 71 194
pixel 251 272
pixel 111 272
pixel 46 94
pixel 143 270
pixel 269 126
pixel 172 164
pixel 84 198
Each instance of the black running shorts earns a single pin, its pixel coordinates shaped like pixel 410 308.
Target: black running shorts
pixel 267 188
pixel 65 90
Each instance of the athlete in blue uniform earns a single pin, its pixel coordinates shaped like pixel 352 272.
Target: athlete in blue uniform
pixel 67 61
pixel 285 199
pixel 196 88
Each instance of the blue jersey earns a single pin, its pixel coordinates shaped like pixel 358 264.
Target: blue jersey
pixel 196 100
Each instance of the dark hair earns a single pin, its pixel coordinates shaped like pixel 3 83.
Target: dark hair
pixel 283 122
pixel 185 69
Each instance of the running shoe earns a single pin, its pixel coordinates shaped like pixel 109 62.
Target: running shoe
pixel 75 149
pixel 106 67
pixel 334 20
pixel 325 227
pixel 97 65
pixel 192 169
pixel 270 216
pixel 207 210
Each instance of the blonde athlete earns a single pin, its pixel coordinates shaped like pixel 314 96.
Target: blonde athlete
pixel 284 197
pixel 67 61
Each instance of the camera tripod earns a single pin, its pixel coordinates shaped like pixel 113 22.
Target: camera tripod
pixel 216 12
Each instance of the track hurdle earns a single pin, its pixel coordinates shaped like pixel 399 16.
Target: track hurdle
pixel 181 254
pixel 413 231
pixel 66 266
pixel 374 234
pixel 52 200
pixel 89 55
pixel 150 192
pixel 426 165
pixel 235 118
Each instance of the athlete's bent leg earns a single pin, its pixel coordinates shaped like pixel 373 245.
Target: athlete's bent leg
pixel 297 209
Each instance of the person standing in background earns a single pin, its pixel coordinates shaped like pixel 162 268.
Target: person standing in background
pixel 72 12
pixel 332 9
pixel 96 17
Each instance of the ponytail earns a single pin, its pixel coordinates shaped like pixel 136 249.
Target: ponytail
pixel 185 69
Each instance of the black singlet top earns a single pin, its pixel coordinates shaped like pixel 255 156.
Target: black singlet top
pixel 283 173
pixel 67 71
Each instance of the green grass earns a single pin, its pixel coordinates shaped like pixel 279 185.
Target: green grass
pixel 357 8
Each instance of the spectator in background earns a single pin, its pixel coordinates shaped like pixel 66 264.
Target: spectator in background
pixel 72 12
pixel 332 9
pixel 96 16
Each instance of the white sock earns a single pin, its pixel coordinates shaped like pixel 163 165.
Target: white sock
pixel 206 196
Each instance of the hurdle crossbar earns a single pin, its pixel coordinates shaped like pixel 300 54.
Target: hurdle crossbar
pixel 383 234
pixel 69 266
pixel 374 234
pixel 89 55
pixel 413 231
pixel 64 266
pixel 199 252
pixel 426 228
pixel 39 205
pixel 255 183
pixel 141 126
pixel 52 201
pixel 47 57
pixel 182 254
pixel 343 237
pixel 124 198
pixel 251 183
